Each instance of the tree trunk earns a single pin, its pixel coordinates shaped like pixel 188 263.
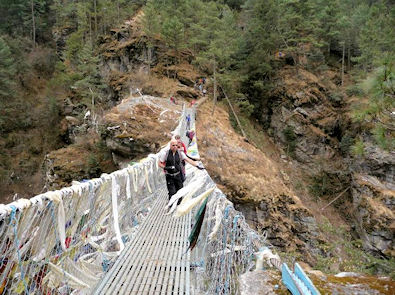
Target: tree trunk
pixel 349 58
pixel 90 29
pixel 344 52
pixel 119 12
pixel 215 88
pixel 33 23
pixel 149 56
pixel 95 10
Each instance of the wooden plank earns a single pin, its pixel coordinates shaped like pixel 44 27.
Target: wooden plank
pixel 147 272
pixel 178 270
pixel 116 274
pixel 167 260
pixel 155 266
pixel 109 276
pixel 172 261
pixel 188 260
pixel 139 253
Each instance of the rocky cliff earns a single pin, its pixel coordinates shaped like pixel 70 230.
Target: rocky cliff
pixel 310 116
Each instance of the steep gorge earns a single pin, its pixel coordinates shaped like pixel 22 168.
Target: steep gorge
pixel 272 179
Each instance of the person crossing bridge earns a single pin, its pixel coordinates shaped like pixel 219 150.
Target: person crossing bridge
pixel 170 160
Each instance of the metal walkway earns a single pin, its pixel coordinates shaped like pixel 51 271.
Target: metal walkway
pixel 154 262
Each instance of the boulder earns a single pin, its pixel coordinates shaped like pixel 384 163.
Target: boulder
pixel 188 92
pixel 134 128
pixel 260 282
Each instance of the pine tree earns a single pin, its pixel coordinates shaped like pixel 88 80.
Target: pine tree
pixel 7 71
pixel 173 33
pixel 151 25
pixel 377 37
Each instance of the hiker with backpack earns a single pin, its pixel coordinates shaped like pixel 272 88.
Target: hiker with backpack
pixel 171 162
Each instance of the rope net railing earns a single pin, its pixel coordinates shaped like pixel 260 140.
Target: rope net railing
pixel 62 242
pixel 227 245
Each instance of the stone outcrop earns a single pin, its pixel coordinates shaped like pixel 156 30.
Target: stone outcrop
pixel 301 106
pixel 373 208
pixel 75 162
pixel 138 126
pixel 309 118
pixel 260 282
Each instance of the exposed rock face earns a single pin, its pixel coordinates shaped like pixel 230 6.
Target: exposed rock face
pixel 137 126
pixel 260 282
pixel 308 118
pixel 303 108
pixel 352 283
pixel 377 162
pixel 126 59
pixel 373 202
pixel 75 162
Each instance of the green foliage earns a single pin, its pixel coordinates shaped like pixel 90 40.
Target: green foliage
pixel 290 139
pixel 43 61
pixel 16 18
pixel 376 38
pixel 354 90
pixel 354 258
pixel 358 149
pixel 336 98
pixel 328 183
pixel 74 46
pixel 380 88
pixel 93 168
pixel 346 143
pixel 7 71
pixel 151 21
pixel 245 107
pixel 173 33
pixel 383 137
pixel 321 185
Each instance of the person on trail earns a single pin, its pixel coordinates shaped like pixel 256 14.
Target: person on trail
pixel 179 141
pixel 182 145
pixel 190 134
pixel 173 100
pixel 170 160
pixel 188 118
pixel 181 148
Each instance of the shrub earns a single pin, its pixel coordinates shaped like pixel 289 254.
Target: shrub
pixel 383 138
pixel 345 144
pixel 245 107
pixel 336 98
pixel 358 149
pixel 43 60
pixel 354 90
pixel 93 168
pixel 290 139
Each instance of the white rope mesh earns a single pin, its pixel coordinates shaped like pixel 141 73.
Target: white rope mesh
pixel 62 242
pixel 226 245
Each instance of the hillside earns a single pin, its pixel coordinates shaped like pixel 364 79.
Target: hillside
pixel 316 182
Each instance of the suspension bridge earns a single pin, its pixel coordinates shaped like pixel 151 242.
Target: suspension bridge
pixel 117 234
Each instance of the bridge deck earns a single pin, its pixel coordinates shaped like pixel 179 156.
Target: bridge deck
pixel 154 262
